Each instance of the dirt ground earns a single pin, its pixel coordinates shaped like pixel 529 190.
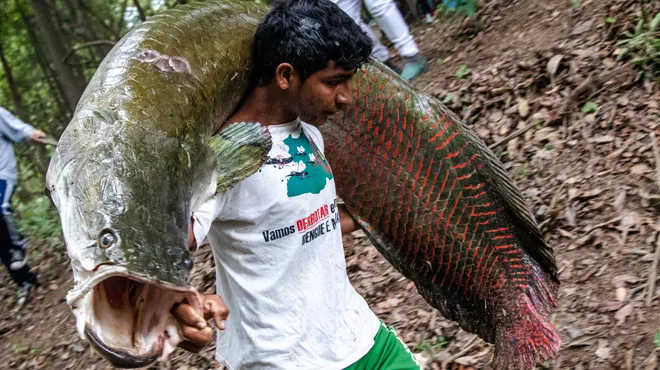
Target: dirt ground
pixel 589 176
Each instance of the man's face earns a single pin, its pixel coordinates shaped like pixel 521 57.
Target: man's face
pixel 324 93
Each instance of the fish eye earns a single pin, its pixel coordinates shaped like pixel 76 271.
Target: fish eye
pixel 106 239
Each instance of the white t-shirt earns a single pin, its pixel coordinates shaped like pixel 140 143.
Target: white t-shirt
pixel 280 263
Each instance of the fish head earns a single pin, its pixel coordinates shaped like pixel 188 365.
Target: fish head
pixel 124 205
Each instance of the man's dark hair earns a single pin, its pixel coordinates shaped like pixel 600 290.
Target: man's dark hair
pixel 307 34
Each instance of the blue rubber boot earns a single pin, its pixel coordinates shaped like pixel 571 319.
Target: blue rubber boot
pixel 413 67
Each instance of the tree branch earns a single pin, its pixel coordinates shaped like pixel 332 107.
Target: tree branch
pixel 86 45
pixel 140 10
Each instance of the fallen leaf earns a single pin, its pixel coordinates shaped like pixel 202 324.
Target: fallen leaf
pixel 609 306
pixel 651 362
pixel 77 348
pixel 496 116
pixel 604 352
pixel 602 139
pixel 630 219
pixel 466 360
pixel 573 332
pixel 553 65
pixel 623 313
pixel 620 201
pixel 523 107
pixel 591 193
pixel 566 233
pixel 582 27
pixel 620 280
pixel 640 169
pixel 570 216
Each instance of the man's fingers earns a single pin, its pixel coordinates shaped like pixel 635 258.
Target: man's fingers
pixel 197 337
pixel 188 315
pixel 215 308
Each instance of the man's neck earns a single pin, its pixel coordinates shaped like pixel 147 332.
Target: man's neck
pixel 265 105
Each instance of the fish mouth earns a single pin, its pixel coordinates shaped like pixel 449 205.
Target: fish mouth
pixel 119 358
pixel 126 317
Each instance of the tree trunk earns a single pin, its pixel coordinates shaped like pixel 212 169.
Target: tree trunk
pixel 16 96
pixel 73 84
pixel 85 28
pixel 42 60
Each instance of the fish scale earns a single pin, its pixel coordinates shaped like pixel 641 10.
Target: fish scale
pixel 433 198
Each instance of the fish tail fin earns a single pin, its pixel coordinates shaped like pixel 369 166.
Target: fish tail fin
pixel 240 150
pixel 528 337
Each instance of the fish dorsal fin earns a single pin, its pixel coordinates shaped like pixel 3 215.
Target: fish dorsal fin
pixel 240 150
pixel 537 247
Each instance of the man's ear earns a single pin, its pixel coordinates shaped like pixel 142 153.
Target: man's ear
pixel 286 76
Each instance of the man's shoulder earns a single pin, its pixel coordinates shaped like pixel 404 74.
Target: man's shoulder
pixel 313 131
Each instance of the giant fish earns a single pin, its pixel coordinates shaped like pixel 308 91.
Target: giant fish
pixel 140 154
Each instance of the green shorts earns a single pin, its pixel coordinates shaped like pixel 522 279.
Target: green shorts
pixel 388 353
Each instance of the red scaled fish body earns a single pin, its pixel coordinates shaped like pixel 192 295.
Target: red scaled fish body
pixel 439 206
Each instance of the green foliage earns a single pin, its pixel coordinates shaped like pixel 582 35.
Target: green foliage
pixel 610 20
pixel 576 3
pixel 35 216
pixel 524 171
pixel 463 71
pixel 430 347
pixel 641 46
pixel 589 107
pixel 656 339
pixel 467 8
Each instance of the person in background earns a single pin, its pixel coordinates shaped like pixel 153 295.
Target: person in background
pixel 12 245
pixel 391 21
pixel 426 7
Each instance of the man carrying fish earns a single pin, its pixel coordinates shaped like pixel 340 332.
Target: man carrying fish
pixel 277 235
pixel 140 157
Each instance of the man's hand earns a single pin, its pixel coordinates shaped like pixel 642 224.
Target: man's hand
pixel 36 135
pixel 195 329
pixel 347 223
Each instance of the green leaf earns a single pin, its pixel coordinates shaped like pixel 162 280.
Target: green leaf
pixel 440 61
pixel 640 26
pixel 576 3
pixel 463 71
pixel 589 107
pixel 654 22
pixel 656 339
pixel 610 20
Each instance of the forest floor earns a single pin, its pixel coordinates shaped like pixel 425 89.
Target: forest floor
pixel 585 162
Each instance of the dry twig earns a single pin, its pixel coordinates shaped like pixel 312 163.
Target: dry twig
pixel 653 271
pixel 471 344
pixel 575 94
pixel 602 224
pixel 513 136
